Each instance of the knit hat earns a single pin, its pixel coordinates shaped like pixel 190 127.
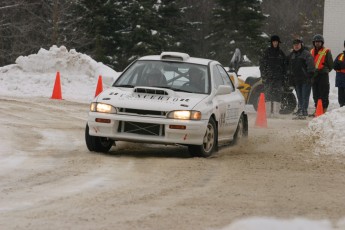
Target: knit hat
pixel 275 38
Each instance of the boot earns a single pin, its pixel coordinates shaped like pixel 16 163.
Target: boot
pixel 297 112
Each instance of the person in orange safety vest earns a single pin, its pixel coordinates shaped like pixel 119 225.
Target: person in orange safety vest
pixel 339 67
pixel 323 64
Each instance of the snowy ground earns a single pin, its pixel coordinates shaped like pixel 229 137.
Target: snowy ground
pixel 33 77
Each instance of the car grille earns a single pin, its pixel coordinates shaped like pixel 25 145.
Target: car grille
pixel 141 128
pixel 142 112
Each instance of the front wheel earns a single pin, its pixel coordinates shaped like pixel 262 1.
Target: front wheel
pixel 209 144
pixel 97 144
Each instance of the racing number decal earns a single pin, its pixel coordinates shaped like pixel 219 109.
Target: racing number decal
pixel 225 117
pixel 229 117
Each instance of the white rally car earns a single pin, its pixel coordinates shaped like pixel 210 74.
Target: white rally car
pixel 170 99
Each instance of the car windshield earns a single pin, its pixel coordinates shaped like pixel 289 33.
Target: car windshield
pixel 178 76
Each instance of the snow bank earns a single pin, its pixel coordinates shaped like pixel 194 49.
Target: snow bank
pixel 34 75
pixel 249 71
pixel 328 132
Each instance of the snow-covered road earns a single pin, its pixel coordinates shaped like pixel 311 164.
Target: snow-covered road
pixel 49 180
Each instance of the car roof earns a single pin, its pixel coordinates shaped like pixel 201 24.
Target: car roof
pixel 178 57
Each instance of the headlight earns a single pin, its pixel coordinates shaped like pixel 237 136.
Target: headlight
pixel 102 108
pixel 185 115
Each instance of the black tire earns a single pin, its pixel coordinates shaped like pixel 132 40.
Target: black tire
pixel 97 144
pixel 242 129
pixel 209 142
pixel 288 103
pixel 254 98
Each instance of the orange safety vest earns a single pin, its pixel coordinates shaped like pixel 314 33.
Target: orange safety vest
pixel 341 58
pixel 319 59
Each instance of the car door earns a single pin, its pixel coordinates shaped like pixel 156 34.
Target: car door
pixel 228 105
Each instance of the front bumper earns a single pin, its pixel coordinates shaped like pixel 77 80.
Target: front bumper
pixel 147 129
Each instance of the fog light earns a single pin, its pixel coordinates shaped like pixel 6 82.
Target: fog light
pixel 102 120
pixel 177 126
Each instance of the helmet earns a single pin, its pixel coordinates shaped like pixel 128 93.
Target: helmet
pixel 318 38
pixel 275 38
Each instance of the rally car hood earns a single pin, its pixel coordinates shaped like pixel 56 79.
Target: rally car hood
pixel 150 98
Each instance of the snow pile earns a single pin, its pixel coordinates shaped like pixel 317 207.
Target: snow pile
pixel 249 71
pixel 56 59
pixel 328 131
pixel 34 75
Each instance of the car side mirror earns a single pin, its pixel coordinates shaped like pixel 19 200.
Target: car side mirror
pixel 223 89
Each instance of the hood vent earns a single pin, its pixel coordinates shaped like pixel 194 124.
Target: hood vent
pixel 151 91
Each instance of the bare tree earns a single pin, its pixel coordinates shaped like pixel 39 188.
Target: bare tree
pixel 27 26
pixel 289 19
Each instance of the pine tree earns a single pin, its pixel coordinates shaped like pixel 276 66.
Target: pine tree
pixel 237 24
pixel 118 32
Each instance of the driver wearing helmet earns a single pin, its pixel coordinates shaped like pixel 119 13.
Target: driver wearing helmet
pixel 156 79
pixel 196 81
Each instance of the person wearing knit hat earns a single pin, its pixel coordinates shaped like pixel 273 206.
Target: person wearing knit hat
pixel 339 67
pixel 275 38
pixel 300 70
pixel 273 70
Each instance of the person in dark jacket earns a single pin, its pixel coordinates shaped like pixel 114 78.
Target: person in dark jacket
pixel 323 64
pixel 300 72
pixel 339 67
pixel 273 70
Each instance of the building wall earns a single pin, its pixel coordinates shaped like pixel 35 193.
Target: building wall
pixel 334 25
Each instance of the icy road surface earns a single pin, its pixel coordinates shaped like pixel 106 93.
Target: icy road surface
pixel 49 180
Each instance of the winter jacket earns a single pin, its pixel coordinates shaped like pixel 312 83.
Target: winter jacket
pixel 339 67
pixel 301 67
pixel 273 65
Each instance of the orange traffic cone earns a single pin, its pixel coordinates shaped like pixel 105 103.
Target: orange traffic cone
pixel 99 88
pixel 57 88
pixel 261 120
pixel 319 108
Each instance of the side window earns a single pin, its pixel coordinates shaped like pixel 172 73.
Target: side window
pixel 218 80
pixel 226 77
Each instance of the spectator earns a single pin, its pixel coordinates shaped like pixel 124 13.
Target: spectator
pixel 339 67
pixel 273 70
pixel 323 64
pixel 300 72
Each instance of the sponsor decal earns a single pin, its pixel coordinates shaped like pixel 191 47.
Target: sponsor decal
pixel 149 97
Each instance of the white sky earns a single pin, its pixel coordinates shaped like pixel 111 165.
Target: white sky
pixel 34 76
